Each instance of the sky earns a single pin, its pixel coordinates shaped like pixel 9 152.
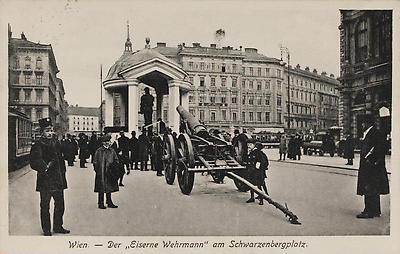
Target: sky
pixel 85 34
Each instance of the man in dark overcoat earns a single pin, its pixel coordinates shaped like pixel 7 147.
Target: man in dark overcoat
pixel 143 150
pixel 372 176
pixel 46 159
pixel 348 151
pixel 257 164
pixel 94 143
pixel 124 144
pixel 146 107
pixel 133 143
pixel 69 150
pixel 105 161
pixel 83 150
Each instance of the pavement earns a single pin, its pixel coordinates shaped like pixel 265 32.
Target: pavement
pixel 324 161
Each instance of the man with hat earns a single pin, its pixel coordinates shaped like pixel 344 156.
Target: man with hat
pixel 106 166
pixel 257 165
pixel 372 176
pixel 45 158
pixel 146 108
pixel 133 144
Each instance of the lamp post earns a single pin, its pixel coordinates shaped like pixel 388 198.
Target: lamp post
pixel 287 53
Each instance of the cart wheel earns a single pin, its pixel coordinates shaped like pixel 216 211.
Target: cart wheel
pixel 218 177
pixel 185 178
pixel 187 148
pixel 169 158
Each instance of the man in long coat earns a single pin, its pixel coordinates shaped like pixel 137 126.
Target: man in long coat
pixel 372 176
pixel 46 159
pixel 69 150
pixel 83 150
pixel 348 151
pixel 133 147
pixel 257 165
pixel 143 150
pixel 105 161
pixel 94 143
pixel 146 108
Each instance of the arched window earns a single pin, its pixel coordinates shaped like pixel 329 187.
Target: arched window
pixel 39 63
pixel 361 40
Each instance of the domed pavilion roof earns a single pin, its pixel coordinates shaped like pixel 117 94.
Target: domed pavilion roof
pixel 129 59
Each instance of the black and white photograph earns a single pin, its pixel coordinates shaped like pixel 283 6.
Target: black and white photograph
pixel 202 126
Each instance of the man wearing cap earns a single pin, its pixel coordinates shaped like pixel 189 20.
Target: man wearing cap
pixel 372 176
pixel 105 163
pixel 257 165
pixel 45 158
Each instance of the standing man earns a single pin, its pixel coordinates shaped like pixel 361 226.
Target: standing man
pixel 93 145
pixel 143 150
pixel 124 143
pixel 372 176
pixel 146 108
pixel 69 150
pixel 83 150
pixel 348 151
pixel 45 158
pixel 104 163
pixel 282 147
pixel 134 151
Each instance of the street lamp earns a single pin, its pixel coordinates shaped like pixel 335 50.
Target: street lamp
pixel 287 53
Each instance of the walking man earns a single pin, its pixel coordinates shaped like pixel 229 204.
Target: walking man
pixel 45 158
pixel 372 176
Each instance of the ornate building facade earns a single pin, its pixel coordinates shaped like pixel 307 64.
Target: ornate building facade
pixel 365 68
pixel 34 88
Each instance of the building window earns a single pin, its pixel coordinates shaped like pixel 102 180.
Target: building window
pixel 212 99
pixel 259 85
pixel 212 81
pixel 39 79
pixel 190 65
pixel 16 94
pixel 244 100
pixel 28 79
pixel 190 98
pixel 279 84
pixel 234 82
pixel 223 68
pixel 251 84
pixel 251 71
pixel 27 63
pixel 361 38
pixel 234 116
pixel 223 99
pixel 279 101
pixel 279 117
pixel 39 95
pixel 27 95
pixel 223 112
pixel 223 81
pixel 267 72
pixel 212 116
pixel 202 81
pixel 279 73
pixel 259 101
pixel 251 117
pixel 267 100
pixel 39 114
pixel 234 68
pixel 234 100
pixel 202 115
pixel 244 84
pixel 39 63
pixel 251 100
pixel 202 66
pixel 267 117
pixel 16 62
pixel 267 85
pixel 213 66
pixel 259 116
pixel 259 71
pixel 243 116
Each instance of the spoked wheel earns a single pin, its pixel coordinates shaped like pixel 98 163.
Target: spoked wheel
pixel 169 158
pixel 185 177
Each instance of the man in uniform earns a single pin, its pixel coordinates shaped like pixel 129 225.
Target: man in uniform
pixel 45 158
pixel 134 153
pixel 146 108
pixel 372 176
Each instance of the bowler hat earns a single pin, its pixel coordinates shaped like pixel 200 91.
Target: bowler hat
pixel 45 122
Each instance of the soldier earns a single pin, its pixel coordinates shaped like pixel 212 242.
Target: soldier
pixel 372 176
pixel 124 142
pixel 133 148
pixel 83 150
pixel 69 150
pixel 146 107
pixel 45 158
pixel 104 163
pixel 257 165
pixel 348 151
pixel 143 150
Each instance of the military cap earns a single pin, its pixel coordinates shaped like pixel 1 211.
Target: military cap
pixel 45 122
pixel 106 137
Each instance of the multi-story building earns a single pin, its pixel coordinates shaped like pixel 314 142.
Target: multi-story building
pixel 32 78
pixel 83 120
pixel 314 99
pixel 61 124
pixel 241 88
pixel 365 68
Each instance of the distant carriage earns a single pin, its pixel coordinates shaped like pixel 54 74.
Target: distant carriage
pixel 19 139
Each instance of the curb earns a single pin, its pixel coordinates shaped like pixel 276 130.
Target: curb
pixel 321 165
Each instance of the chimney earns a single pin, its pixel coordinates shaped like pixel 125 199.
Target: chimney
pixel 298 66
pixel 250 50
pixel 323 73
pixel 196 44
pixel 307 69
pixel 23 36
pixel 332 76
pixel 315 71
pixel 213 45
pixel 240 48
pixel 161 44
